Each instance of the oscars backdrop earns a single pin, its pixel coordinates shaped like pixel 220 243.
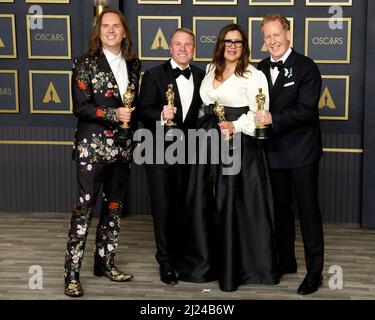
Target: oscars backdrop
pixel 39 39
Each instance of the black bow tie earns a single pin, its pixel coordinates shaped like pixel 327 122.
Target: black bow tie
pixel 186 72
pixel 278 64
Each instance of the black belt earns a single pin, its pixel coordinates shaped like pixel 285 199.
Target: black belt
pixel 209 110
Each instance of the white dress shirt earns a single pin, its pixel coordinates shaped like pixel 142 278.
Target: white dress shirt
pixel 119 70
pixel 275 71
pixel 237 92
pixel 185 89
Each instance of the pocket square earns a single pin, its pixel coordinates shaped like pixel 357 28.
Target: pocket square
pixel 289 84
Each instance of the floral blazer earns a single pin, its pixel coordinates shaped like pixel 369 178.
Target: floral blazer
pixel 96 97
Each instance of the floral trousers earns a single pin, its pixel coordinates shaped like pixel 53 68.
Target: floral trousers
pixel 91 176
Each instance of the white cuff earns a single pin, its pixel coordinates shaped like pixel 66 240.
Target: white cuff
pixel 245 124
pixel 161 119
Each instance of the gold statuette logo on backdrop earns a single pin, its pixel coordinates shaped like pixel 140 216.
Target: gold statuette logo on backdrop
pixel 160 42
pixel 153 36
pixel 50 92
pixel 334 98
pixel 8 47
pixel 51 95
pixel 326 100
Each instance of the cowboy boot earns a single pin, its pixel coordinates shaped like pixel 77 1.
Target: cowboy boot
pixel 106 267
pixel 107 237
pixel 73 286
pixel 77 236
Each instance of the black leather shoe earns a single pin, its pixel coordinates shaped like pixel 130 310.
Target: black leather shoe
pixel 168 277
pixel 311 283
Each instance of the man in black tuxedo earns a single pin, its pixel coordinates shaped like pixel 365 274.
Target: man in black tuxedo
pixel 294 150
pixel 167 182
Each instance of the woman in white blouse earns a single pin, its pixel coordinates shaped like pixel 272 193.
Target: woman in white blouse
pixel 229 218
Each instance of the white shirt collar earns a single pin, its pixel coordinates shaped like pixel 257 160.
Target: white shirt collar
pixel 118 66
pixel 284 57
pixel 111 56
pixel 175 65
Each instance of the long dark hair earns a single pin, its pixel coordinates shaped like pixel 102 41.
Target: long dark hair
pixel 218 60
pixel 95 45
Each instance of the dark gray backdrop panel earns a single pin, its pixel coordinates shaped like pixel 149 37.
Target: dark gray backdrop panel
pixel 368 203
pixel 340 172
pixel 42 177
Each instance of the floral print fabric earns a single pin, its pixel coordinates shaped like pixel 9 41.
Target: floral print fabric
pixel 95 100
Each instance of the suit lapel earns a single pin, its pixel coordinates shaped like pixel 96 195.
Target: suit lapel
pixel 193 104
pixel 105 67
pixel 132 74
pixel 169 76
pixel 266 71
pixel 282 79
pixel 103 63
pixel 278 85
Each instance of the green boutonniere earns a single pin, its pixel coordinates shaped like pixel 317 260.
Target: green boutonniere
pixel 288 73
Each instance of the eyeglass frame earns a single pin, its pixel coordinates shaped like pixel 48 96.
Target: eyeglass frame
pixel 236 43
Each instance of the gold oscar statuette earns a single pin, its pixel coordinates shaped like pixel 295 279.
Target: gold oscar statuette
pixel 220 113
pixel 170 98
pixel 99 6
pixel 261 132
pixel 128 98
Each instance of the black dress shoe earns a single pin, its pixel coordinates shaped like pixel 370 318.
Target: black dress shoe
pixel 168 277
pixel 311 283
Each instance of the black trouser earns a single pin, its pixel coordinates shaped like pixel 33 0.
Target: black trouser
pixel 304 183
pixel 91 177
pixel 166 189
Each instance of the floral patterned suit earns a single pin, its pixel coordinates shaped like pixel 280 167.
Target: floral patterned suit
pixel 101 159
pixel 95 98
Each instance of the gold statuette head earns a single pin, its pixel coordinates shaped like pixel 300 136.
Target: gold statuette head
pixel 260 99
pixel 128 96
pixel 170 95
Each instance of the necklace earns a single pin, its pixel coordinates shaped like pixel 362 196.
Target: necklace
pixel 229 69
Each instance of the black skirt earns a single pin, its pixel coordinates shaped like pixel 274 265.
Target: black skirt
pixel 227 221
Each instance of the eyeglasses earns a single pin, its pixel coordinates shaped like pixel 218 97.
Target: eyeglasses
pixel 237 43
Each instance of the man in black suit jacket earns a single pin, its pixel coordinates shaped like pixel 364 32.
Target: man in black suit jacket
pixel 99 80
pixel 294 150
pixel 167 182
